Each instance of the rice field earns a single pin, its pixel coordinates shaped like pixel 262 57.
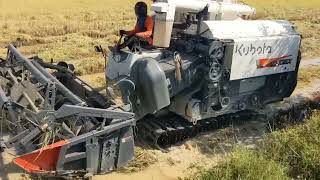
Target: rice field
pixel 64 30
pixel 68 29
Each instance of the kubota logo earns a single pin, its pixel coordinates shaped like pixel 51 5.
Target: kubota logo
pixel 244 50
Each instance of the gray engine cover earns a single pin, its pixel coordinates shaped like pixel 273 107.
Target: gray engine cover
pixel 151 87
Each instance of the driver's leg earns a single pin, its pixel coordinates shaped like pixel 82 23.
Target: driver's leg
pixel 128 42
pixel 145 44
pixel 134 42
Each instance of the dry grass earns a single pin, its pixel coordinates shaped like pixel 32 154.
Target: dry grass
pixel 143 159
pixel 307 75
pixel 243 164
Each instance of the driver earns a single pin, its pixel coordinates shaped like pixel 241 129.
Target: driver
pixel 144 26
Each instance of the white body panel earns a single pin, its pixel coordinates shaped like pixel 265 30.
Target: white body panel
pixel 248 52
pixel 165 13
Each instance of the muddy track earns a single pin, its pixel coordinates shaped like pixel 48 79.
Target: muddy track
pixel 310 62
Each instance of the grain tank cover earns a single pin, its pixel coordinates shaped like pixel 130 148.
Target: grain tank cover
pixel 244 29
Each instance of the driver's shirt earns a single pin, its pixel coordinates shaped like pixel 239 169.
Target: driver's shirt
pixel 145 33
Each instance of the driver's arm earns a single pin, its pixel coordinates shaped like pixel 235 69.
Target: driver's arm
pixel 133 32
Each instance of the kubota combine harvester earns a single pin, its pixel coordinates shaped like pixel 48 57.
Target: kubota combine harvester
pixel 207 65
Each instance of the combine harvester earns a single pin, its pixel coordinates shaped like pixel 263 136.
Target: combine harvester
pixel 208 64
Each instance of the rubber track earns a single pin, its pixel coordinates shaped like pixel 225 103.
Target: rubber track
pixel 166 131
